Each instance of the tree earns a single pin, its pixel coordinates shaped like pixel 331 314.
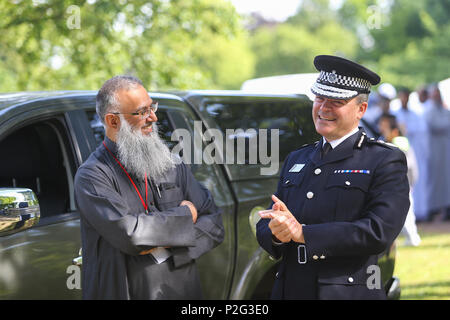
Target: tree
pixel 291 46
pixel 78 44
pixel 227 62
pixel 409 46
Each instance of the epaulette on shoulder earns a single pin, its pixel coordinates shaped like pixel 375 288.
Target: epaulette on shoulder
pixel 381 143
pixel 308 144
pixel 305 146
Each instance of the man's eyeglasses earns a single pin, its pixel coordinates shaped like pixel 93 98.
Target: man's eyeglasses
pixel 144 113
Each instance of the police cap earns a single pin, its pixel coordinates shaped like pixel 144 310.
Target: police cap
pixel 340 78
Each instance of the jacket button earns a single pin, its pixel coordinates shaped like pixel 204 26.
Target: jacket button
pixel 310 195
pixel 315 257
pixel 350 279
pixel 317 171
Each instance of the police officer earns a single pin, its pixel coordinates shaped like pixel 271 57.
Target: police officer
pixel 340 202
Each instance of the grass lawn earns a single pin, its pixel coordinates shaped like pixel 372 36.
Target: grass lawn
pixel 424 271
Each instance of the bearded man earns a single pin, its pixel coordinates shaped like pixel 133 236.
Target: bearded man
pixel 144 217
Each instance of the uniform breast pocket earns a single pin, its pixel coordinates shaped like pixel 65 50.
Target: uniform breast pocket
pixel 290 185
pixel 350 191
pixel 170 196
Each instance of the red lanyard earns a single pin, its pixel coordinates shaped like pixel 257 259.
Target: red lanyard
pixel 134 185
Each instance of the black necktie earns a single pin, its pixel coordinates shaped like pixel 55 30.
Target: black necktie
pixel 325 149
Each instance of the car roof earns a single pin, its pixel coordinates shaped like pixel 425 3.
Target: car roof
pixel 299 83
pixel 230 93
pixel 19 98
pixel 16 98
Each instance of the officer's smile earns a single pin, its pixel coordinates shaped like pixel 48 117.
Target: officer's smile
pixel 325 118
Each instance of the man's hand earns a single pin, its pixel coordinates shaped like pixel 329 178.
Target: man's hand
pixel 143 253
pixel 191 207
pixel 283 224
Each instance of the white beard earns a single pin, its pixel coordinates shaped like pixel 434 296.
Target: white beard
pixel 143 154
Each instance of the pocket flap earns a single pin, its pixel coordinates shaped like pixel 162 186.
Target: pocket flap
pixel 349 180
pixel 348 273
pixel 292 179
pixel 349 279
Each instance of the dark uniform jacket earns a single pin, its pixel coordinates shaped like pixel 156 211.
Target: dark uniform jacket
pixel 353 204
pixel 115 229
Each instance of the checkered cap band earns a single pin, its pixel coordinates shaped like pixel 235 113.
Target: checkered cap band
pixel 332 92
pixel 344 82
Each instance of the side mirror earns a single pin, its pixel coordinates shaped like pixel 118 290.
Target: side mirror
pixel 19 210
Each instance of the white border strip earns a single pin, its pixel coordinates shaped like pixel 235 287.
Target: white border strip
pixel 324 90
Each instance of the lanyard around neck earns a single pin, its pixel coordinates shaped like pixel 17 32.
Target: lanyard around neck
pixel 132 182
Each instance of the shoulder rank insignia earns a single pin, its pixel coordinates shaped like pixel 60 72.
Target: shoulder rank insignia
pixel 381 143
pixel 308 144
pixel 361 140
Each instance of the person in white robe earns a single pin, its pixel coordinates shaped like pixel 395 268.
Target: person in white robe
pixel 438 123
pixel 414 127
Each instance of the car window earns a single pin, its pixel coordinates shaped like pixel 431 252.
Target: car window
pixel 291 117
pixel 37 158
pixel 96 126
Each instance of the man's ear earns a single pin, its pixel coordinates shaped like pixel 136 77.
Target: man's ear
pixel 362 109
pixel 112 121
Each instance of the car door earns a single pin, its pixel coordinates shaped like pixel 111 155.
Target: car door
pixel 38 154
pixel 285 119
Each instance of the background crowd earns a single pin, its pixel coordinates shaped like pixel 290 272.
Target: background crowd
pixel 423 119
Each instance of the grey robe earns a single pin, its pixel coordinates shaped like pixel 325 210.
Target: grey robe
pixel 438 121
pixel 417 134
pixel 115 228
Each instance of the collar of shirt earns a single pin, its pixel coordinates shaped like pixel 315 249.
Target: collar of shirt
pixel 335 143
pixel 112 146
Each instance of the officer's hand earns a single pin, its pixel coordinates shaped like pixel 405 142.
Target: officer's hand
pixel 283 224
pixel 276 225
pixel 280 226
pixel 145 252
pixel 279 205
pixel 191 207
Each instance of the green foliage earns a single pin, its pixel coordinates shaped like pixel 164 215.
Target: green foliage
pixel 291 47
pixel 406 42
pixel 423 270
pixel 180 44
pixel 69 44
pixel 227 62
pixel 410 45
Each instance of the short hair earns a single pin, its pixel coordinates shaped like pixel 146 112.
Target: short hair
pixel 106 100
pixel 362 97
pixel 404 90
pixel 392 120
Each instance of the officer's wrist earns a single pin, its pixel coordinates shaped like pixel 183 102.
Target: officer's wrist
pixel 275 241
pixel 301 237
